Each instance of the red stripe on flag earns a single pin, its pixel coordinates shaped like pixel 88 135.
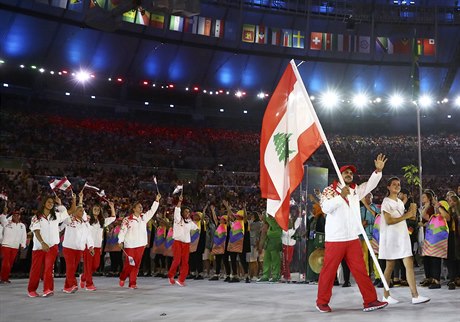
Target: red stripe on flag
pixel 60 183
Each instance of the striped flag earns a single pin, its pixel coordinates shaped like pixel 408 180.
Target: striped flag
pixel 218 28
pixel 276 36
pixel 61 184
pixel 261 34
pixel 291 133
pixel 176 23
pixel 287 37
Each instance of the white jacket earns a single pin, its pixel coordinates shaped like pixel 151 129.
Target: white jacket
pixel 343 217
pixel 181 228
pixel 77 234
pixel 133 232
pixel 14 235
pixel 97 232
pixel 49 229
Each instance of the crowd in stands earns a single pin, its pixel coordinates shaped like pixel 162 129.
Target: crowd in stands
pixel 122 157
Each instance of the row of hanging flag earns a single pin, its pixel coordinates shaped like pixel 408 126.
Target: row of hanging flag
pixel 261 34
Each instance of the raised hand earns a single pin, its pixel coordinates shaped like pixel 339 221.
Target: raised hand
pixel 380 162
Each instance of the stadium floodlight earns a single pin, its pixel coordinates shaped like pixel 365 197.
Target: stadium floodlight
pixel 239 94
pixel 425 101
pixel 261 95
pixel 457 101
pixel 330 99
pixel 82 76
pixel 360 100
pixel 396 100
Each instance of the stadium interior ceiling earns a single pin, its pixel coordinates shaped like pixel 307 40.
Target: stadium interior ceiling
pixel 222 71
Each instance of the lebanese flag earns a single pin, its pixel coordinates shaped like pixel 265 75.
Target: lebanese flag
pixel 291 133
pixel 61 184
pixel 87 186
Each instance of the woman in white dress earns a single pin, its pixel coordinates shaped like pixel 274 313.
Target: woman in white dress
pixel 395 240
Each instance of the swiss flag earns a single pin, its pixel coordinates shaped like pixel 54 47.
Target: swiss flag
pixel 429 47
pixel 316 39
pixel 291 133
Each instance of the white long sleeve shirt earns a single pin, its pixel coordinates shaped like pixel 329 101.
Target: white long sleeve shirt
pixel 343 215
pixel 14 235
pixel 49 229
pixel 97 232
pixel 181 228
pixel 77 234
pixel 133 232
pixel 286 236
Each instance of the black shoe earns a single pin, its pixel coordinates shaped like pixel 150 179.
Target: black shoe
pixel 336 283
pixel 198 277
pixel 380 285
pixel 227 279
pixel 434 286
pixel 451 285
pixel 346 284
pixel 249 281
pixel 377 281
pixel 214 278
pixel 234 280
pixel 191 277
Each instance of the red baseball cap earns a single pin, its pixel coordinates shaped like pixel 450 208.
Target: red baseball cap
pixel 348 166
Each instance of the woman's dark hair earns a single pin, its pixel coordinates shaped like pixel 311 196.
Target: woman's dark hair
pixel 430 194
pixel 389 182
pixel 99 218
pixel 41 208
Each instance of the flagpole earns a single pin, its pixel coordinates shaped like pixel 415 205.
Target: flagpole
pixel 339 175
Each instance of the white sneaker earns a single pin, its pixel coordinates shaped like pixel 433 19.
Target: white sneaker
pixel 390 300
pixel 420 299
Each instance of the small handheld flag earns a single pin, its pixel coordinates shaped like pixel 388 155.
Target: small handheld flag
pixel 61 184
pixel 156 183
pixel 87 186
pixel 130 259
pixel 178 189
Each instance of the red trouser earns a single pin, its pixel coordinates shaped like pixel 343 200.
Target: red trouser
pixel 352 252
pixel 72 259
pixel 181 253
pixel 90 265
pixel 42 260
pixel 129 270
pixel 288 251
pixel 9 254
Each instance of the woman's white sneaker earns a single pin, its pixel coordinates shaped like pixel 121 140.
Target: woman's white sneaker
pixel 420 299
pixel 391 300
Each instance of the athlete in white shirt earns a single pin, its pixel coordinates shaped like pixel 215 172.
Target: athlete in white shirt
pixel 133 238
pixel 77 237
pixel 45 226
pixel 343 217
pixel 183 224
pixel 14 237
pixel 97 223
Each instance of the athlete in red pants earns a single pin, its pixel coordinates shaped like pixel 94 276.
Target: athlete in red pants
pixel 341 206
pixel 181 247
pixel 133 238
pixel 45 226
pixel 14 236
